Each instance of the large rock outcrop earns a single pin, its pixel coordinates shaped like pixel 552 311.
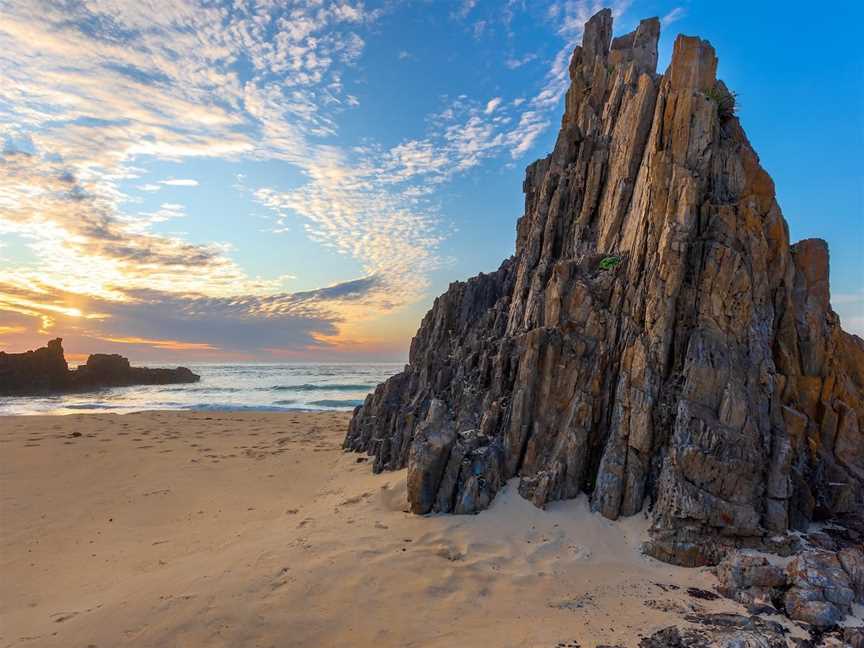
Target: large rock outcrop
pixel 45 371
pixel 42 370
pixel 655 341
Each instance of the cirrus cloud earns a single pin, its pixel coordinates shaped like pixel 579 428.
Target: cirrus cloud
pixel 96 90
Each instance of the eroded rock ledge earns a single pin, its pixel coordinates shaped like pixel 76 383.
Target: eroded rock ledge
pixel 654 342
pixel 45 371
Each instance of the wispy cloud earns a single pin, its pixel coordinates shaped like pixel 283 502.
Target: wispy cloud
pixel 179 182
pixel 171 182
pixel 94 91
pixel 514 63
pixel 171 321
pixel 163 344
pixel 465 8
pixel 491 105
pixel 676 14
pixel 91 87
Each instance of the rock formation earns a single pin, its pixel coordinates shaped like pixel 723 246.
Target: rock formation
pixel 655 342
pixel 42 370
pixel 817 587
pixel 720 630
pixel 45 370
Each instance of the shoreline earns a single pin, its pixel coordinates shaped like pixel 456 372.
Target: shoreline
pixel 166 528
pixel 232 387
pixel 251 409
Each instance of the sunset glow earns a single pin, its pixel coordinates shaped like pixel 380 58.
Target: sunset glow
pixel 300 179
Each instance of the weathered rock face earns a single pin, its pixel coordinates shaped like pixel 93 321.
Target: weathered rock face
pixel 738 631
pixel 45 370
pixel 654 341
pixel 821 593
pixel 720 630
pixel 114 370
pixel 817 587
pixel 750 579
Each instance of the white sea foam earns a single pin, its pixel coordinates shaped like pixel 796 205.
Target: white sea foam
pixel 226 387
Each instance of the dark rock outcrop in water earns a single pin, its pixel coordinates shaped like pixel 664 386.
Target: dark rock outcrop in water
pixel 112 370
pixel 655 341
pixel 42 370
pixel 45 370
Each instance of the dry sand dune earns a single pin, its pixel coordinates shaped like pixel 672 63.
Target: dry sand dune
pixel 253 529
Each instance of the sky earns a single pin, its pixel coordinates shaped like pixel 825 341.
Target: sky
pixel 296 180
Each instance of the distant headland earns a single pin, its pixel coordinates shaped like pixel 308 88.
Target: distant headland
pixel 45 370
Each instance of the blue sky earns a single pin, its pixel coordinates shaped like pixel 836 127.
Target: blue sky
pixel 298 180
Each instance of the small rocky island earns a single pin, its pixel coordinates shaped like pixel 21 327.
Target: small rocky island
pixel 45 371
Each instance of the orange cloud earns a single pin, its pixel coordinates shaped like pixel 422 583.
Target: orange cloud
pixel 171 345
pixel 87 111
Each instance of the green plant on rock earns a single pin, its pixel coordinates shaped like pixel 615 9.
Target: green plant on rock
pixel 726 100
pixel 609 262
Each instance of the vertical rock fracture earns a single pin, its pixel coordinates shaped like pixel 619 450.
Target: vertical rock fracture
pixel 654 342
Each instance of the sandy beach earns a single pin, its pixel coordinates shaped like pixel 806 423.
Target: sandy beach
pixel 255 529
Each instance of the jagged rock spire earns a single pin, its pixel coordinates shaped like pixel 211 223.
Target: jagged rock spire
pixel 654 341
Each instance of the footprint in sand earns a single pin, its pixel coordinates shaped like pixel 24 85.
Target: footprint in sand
pixel 60 617
pixel 354 500
pixel 579 552
pixel 281 578
pixel 577 603
pixel 448 552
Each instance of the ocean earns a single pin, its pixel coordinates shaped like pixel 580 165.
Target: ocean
pixel 226 387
